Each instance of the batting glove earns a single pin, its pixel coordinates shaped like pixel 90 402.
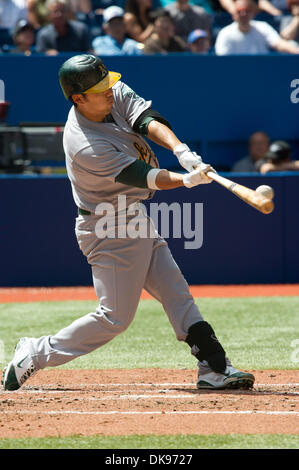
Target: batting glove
pixel 198 176
pixel 187 159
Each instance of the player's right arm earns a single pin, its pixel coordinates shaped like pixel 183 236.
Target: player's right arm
pixel 142 175
pixel 169 180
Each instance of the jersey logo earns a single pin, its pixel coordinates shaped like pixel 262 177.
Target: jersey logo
pixel 127 91
pixel 146 154
pixel 103 70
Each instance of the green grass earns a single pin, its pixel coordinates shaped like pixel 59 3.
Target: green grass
pixel 256 332
pixel 231 441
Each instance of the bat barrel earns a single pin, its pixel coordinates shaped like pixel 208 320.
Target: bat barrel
pixel 266 206
pixel 254 199
pixel 251 197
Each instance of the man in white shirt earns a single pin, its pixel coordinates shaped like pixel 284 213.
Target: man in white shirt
pixel 246 36
pixel 12 11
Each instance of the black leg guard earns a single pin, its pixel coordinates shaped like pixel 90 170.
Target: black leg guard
pixel 205 346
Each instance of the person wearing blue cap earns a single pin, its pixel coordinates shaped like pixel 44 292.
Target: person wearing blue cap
pixel 199 42
pixel 115 42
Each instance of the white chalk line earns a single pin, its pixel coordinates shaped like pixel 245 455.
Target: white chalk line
pixel 165 384
pixel 114 397
pixel 113 412
pixel 149 396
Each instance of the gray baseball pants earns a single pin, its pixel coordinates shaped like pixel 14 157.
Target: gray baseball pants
pixel 121 268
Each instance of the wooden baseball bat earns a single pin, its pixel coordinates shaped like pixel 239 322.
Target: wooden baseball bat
pixel 251 197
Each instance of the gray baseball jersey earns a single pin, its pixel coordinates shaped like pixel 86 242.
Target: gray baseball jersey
pixel 121 266
pixel 96 152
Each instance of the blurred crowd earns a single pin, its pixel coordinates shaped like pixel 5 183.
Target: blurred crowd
pixel 144 27
pixel 135 27
pixel 265 156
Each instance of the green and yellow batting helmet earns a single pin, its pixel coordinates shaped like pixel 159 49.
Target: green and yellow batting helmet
pixel 85 73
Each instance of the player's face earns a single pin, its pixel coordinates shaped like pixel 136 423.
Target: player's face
pixel 95 106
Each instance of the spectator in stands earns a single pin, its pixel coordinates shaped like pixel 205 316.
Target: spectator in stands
pixel 207 5
pixel 188 17
pixel 163 39
pixel 12 11
pixel 246 36
pixel 268 6
pixel 84 6
pixel 290 23
pixel 199 42
pixel 139 25
pixel 24 38
pixel 98 6
pixel 278 158
pixel 114 42
pixel 271 6
pixel 62 34
pixel 226 6
pixel 258 146
pixel 37 13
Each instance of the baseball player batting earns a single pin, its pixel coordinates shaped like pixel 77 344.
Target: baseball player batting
pixel 107 156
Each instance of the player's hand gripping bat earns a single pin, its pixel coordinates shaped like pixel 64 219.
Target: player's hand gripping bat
pixel 255 198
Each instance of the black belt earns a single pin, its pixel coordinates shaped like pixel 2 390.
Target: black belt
pixel 83 212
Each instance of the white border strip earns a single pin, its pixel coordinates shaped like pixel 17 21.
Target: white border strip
pixel 112 412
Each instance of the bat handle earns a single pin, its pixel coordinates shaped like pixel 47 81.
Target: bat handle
pixel 228 184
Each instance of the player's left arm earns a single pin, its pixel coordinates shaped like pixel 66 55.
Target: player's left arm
pixel 162 135
pixel 153 126
pixel 149 123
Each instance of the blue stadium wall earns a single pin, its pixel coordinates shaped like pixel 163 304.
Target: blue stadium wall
pixel 240 245
pixel 213 103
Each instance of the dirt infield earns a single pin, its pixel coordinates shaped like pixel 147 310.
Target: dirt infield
pixel 146 401
pixel 40 294
pixel 143 401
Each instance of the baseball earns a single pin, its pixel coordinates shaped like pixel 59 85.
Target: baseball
pixel 266 191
